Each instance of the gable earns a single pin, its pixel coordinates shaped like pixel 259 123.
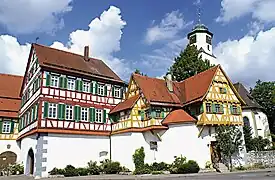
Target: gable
pixel 133 89
pixel 222 89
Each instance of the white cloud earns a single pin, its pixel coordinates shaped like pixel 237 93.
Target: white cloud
pixel 261 10
pixel 249 58
pixel 28 16
pixel 103 37
pixel 168 28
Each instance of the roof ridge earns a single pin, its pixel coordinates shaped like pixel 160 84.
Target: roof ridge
pixel 64 51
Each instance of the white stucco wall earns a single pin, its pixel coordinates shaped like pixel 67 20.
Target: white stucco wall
pixel 76 150
pixel 262 126
pixel 27 143
pixel 13 148
pixel 181 139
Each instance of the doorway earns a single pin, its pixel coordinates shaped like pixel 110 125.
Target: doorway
pixel 30 162
pixel 7 158
pixel 215 153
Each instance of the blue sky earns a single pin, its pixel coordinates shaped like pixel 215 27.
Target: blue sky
pixel 141 34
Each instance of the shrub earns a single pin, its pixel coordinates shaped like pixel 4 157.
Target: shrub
pixel 157 172
pixel 57 171
pixel 144 170
pixel 138 158
pixel 70 171
pixel 17 169
pixel 93 168
pixel 110 167
pixel 82 171
pixel 180 166
pixel 208 165
pixel 162 166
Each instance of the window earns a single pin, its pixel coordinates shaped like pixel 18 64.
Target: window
pixel 217 108
pixel 222 90
pixel 234 110
pixel 6 127
pixel 193 39
pixel 208 107
pixel 147 114
pixel 71 84
pixel 153 145
pixel 84 114
pixel 100 89
pixel 54 81
pixel 208 39
pixel 246 121
pixel 86 86
pixel 69 112
pixel 98 115
pixel 52 110
pixel 208 47
pixel 158 113
pixel 117 92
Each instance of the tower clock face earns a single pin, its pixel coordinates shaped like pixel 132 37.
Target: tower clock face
pixel 208 39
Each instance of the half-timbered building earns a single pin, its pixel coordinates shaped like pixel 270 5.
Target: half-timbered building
pixel 66 99
pixel 9 107
pixel 170 118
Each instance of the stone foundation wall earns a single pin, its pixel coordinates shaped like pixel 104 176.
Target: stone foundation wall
pixel 266 158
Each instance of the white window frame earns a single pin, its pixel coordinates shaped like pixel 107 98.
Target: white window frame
pixel 52 110
pixel 6 127
pixel 86 86
pixel 99 115
pixel 117 92
pixel 69 112
pixel 100 89
pixel 54 81
pixel 84 114
pixel 71 84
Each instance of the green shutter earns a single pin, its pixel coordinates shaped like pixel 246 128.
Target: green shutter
pixel 201 108
pixel 222 109
pixel 33 113
pixel 105 90
pixel 104 116
pixel 65 80
pixel 96 87
pixel 78 113
pixel 75 113
pixel 12 127
pixel 77 85
pixel 91 114
pixel 61 83
pixel 238 109
pixel 80 85
pixel 231 109
pixel 36 111
pixel 46 106
pixel 59 111
pixel 48 79
pixel 153 113
pixel 162 114
pixel 142 114
pixel 213 108
pixel 113 91
pixel 121 93
pixel 1 126
pixel 91 87
pixel 63 112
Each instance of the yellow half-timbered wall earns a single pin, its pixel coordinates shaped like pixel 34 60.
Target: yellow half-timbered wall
pixel 12 134
pixel 221 105
pixel 141 115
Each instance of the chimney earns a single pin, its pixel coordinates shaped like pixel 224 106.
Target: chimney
pixel 169 82
pixel 86 53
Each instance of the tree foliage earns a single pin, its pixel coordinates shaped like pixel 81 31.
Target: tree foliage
pixel 188 63
pixel 248 138
pixel 264 94
pixel 229 141
pixel 137 71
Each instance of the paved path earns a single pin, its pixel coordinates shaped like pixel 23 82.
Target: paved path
pixel 266 174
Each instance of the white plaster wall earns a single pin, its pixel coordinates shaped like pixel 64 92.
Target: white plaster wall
pixel 76 150
pixel 177 140
pixel 13 148
pixel 182 139
pixel 201 42
pixel 26 144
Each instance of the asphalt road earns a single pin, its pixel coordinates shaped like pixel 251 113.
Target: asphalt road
pixel 252 175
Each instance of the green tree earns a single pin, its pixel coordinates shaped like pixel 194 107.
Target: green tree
pixel 264 94
pixel 229 141
pixel 248 138
pixel 188 63
pixel 137 71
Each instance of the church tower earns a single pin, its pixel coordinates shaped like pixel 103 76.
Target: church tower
pixel 201 37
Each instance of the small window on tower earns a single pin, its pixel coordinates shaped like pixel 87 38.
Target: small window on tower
pixel 193 39
pixel 208 39
pixel 208 47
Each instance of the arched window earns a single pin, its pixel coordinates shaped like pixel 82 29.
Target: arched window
pixel 246 121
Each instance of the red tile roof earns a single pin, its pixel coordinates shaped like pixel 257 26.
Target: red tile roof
pixel 73 63
pixel 127 104
pixel 178 116
pixel 9 95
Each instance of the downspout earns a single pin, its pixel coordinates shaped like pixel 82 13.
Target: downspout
pixel 111 141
